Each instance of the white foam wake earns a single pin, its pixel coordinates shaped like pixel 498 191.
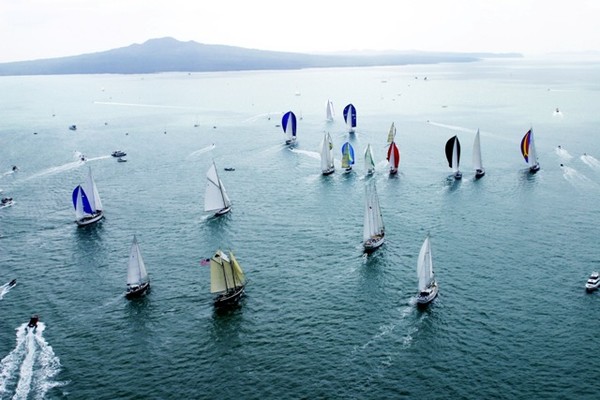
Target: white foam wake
pixel 4 289
pixel 30 368
pixel 202 150
pixel 312 154
pixel 590 161
pixel 562 153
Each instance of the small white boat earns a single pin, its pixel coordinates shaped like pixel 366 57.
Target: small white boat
pixel 428 288
pixel 118 153
pixel 215 196
pixel 6 202
pixel 373 228
pixel 138 282
pixel 593 282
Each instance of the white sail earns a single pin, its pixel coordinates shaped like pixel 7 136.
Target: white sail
pixel 391 134
pixel 136 269
pixel 92 192
pixel 79 213
pixel 425 265
pixel 326 153
pixel 455 159
pixel 225 274
pixel 477 153
pixel 330 111
pixel 369 161
pixel 215 196
pixel 533 161
pixel 373 220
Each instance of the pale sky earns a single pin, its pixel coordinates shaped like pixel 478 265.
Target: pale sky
pixel 34 29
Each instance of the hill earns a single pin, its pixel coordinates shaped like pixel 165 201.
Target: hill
pixel 169 55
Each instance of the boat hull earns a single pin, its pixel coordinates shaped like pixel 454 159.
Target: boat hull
pixel 479 174
pixel 223 211
pixel 393 171
pixel 138 292
pixel 90 220
pixel 458 175
pixel 373 243
pixel 328 171
pixel 425 297
pixel 534 169
pixel 229 299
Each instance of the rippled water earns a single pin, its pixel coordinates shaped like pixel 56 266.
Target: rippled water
pixel 511 251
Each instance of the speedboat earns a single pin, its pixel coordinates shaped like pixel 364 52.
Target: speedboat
pixel 229 169
pixel 427 295
pixel 137 290
pixel 593 282
pixel 33 321
pixel 118 153
pixel 6 202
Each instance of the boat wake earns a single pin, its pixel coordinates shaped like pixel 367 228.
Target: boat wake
pixel 30 368
pixel 113 103
pixel 4 289
pixel 576 178
pixel 312 154
pixel 452 127
pixel 590 161
pixel 56 170
pixel 202 151
pixel 562 153
pixel 266 116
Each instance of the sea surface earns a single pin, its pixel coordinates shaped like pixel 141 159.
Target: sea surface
pixel 320 320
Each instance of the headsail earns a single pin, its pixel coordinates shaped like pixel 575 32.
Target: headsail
pixel 136 269
pixel 225 273
pixel 453 153
pixel 215 196
pixel 528 149
pixel 369 160
pixel 347 155
pixel 425 265
pixel 330 113
pixel 373 220
pixel 288 123
pixel 477 153
pixel 393 156
pixel 326 153
pixel 81 203
pixel 391 134
pixel 350 117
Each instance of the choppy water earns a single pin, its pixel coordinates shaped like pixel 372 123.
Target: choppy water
pixel 511 251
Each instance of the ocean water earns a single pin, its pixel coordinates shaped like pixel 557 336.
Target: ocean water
pixel 320 320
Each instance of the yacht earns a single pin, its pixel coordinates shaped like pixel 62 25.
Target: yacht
pixel 593 282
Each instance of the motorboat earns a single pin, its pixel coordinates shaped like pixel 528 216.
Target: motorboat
pixel 73 127
pixel 12 283
pixel 6 202
pixel 593 282
pixel 229 169
pixel 118 153
pixel 33 321
pixel 121 159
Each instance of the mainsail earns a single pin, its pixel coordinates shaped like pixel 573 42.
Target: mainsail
pixel 425 265
pixel 369 161
pixel 215 196
pixel 391 134
pixel 136 269
pixel 326 153
pixel 373 220
pixel 225 273
pixel 330 111
pixel 477 153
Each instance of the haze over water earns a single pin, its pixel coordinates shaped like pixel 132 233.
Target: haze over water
pixel 511 251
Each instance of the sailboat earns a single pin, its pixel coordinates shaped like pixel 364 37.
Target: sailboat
pixel 347 156
pixel 327 166
pixel 215 196
pixel 453 156
pixel 227 279
pixel 393 157
pixel 87 203
pixel 369 161
pixel 288 123
pixel 373 228
pixel 330 113
pixel 350 117
pixel 138 282
pixel 428 288
pixel 391 134
pixel 479 171
pixel 529 153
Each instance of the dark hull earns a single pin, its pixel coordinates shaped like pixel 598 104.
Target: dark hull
pixel 223 211
pixel 479 174
pixel 229 299
pixel 329 171
pixel 534 169
pixel 139 292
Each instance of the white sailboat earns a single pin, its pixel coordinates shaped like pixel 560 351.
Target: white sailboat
pixel 369 160
pixel 428 288
pixel 330 113
pixel 226 279
pixel 327 166
pixel 138 282
pixel 373 228
pixel 215 196
pixel 479 171
pixel 529 153
pixel 87 203
pixel 453 156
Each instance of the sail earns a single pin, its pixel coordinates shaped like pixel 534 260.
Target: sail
pixel 326 152
pixel 347 155
pixel 136 269
pixel 528 149
pixel 288 123
pixel 477 153
pixel 330 111
pixel 393 155
pixel 391 134
pixel 221 273
pixel 453 153
pixel 81 203
pixel 425 265
pixel 373 220
pixel 215 196
pixel 369 161
pixel 92 193
pixel 350 117
pixel 238 274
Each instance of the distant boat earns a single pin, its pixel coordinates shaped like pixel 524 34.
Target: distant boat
pixel 428 288
pixel 226 279
pixel 373 228
pixel 12 283
pixel 288 123
pixel 369 160
pixel 6 202
pixel 327 166
pixel 479 171
pixel 330 113
pixel 393 157
pixel 118 153
pixel 453 156
pixel 529 153
pixel 350 118
pixel 215 196
pixel 138 282
pixel 229 169
pixel 347 156
pixel 391 134
pixel 73 127
pixel 33 321
pixel 87 203
pixel 593 282
pixel 121 159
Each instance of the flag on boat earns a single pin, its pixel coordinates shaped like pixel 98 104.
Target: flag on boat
pixel 205 261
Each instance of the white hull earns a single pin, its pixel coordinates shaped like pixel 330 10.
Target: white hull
pixel 593 282
pixel 426 296
pixel 223 211
pixel 90 220
pixel 374 243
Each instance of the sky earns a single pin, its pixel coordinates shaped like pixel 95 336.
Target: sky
pixel 36 29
